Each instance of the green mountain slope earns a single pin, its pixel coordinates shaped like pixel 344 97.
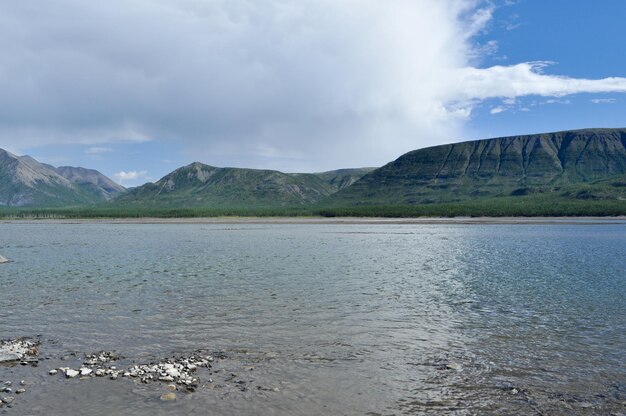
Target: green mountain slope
pixel 26 182
pixel 509 166
pixel 199 185
pixel 342 178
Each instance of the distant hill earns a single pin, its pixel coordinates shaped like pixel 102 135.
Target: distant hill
pixel 92 181
pixel 200 185
pixel 26 182
pixel 508 166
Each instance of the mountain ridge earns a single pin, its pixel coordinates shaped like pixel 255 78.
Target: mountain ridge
pixel 491 167
pixel 570 165
pixel 198 184
pixel 26 182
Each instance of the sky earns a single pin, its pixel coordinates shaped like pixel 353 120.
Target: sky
pixel 138 88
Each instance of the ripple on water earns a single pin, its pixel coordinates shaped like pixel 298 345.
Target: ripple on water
pixel 332 319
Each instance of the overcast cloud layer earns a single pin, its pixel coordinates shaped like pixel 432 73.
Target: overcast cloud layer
pixel 293 85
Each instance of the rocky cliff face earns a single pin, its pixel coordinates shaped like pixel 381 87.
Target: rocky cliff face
pixel 492 167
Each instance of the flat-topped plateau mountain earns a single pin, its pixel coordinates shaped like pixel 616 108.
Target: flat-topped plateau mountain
pixel 507 166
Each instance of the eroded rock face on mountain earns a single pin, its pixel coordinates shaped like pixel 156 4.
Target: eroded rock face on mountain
pixel 493 167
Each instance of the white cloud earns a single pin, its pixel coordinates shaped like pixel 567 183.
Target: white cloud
pixel 130 176
pixel 497 110
pixel 509 101
pixel 294 85
pixel 98 150
pixel 603 100
pixel 526 79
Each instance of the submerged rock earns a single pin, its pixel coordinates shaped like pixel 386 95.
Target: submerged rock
pixel 3 260
pixel 168 397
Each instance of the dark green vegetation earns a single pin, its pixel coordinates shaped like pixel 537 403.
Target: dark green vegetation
pixel 539 165
pixel 202 186
pixel 572 173
pixel 605 197
pixel 26 182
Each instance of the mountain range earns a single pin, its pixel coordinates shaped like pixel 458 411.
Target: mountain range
pixel 27 182
pixel 200 185
pixel 577 165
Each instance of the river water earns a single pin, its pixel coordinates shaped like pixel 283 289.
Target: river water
pixel 310 319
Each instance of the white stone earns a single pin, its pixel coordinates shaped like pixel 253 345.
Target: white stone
pixel 71 373
pixel 84 371
pixel 52 372
pixel 9 356
pixel 3 260
pixel 172 372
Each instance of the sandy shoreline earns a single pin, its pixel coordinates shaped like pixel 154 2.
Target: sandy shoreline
pixel 330 221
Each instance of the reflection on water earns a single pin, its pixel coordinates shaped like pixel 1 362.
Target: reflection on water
pixel 325 319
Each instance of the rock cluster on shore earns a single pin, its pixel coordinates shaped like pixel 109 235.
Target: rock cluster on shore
pixel 177 370
pixel 18 350
pixel 177 375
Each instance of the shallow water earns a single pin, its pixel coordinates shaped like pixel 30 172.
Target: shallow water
pixel 323 319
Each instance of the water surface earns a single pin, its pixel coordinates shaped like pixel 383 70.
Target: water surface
pixel 324 319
